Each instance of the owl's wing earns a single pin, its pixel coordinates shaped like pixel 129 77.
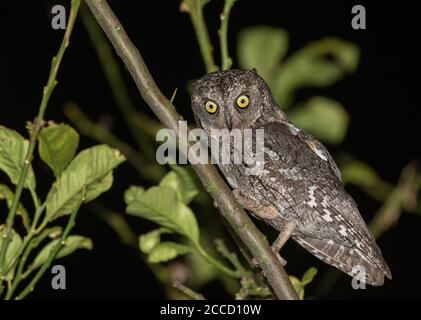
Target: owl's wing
pixel 319 149
pixel 330 225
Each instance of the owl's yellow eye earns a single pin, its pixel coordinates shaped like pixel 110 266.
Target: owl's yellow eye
pixel 243 102
pixel 211 106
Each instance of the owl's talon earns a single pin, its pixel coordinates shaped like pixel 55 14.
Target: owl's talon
pixel 267 212
pixel 286 232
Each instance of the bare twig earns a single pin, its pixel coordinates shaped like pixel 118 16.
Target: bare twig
pixel 138 123
pixel 226 60
pixel 117 222
pixel 188 292
pixel 195 10
pixel 402 197
pixel 214 184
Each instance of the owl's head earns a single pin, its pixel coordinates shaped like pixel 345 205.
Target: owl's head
pixel 231 99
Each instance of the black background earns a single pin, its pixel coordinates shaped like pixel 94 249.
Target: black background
pixel 382 98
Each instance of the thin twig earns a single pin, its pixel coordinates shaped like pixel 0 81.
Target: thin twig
pixel 249 286
pixel 226 60
pixel 52 254
pixel 48 89
pixel 138 123
pixel 401 198
pixel 230 256
pixel 214 184
pixel 195 10
pixel 188 292
pixel 215 263
pixel 117 222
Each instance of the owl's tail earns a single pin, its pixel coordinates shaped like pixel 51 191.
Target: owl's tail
pixel 352 261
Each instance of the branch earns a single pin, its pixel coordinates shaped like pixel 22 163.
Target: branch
pixel 195 10
pixel 226 60
pixel 212 181
pixel 402 197
pixel 138 123
pixel 48 89
pixel 52 254
pixel 187 291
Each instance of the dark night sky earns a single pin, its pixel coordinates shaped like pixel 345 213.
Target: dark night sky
pixel 382 98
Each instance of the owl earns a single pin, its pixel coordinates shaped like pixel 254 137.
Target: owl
pixel 299 191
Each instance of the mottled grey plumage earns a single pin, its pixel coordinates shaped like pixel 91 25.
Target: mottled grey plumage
pixel 300 183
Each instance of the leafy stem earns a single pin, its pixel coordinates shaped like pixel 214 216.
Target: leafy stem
pixel 26 247
pixel 249 285
pixel 214 262
pixel 47 91
pixel 53 253
pixel 35 198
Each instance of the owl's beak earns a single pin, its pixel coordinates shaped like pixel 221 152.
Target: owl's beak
pixel 228 119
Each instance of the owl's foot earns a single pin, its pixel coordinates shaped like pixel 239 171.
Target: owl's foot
pixel 267 212
pixel 284 234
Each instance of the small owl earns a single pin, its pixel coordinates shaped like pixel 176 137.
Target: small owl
pixel 299 192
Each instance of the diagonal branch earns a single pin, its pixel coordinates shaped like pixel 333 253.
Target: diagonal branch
pixel 212 181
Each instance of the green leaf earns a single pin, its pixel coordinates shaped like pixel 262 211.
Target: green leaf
pixel 132 194
pixel 7 195
pixel 262 48
pixel 324 118
pixel 13 150
pixel 89 173
pixel 188 185
pixel 321 63
pixel 308 276
pixel 72 244
pixel 299 285
pixel 57 146
pixel 160 205
pixel 166 251
pixel 12 250
pixel 148 241
pixel 181 182
pixel 172 181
